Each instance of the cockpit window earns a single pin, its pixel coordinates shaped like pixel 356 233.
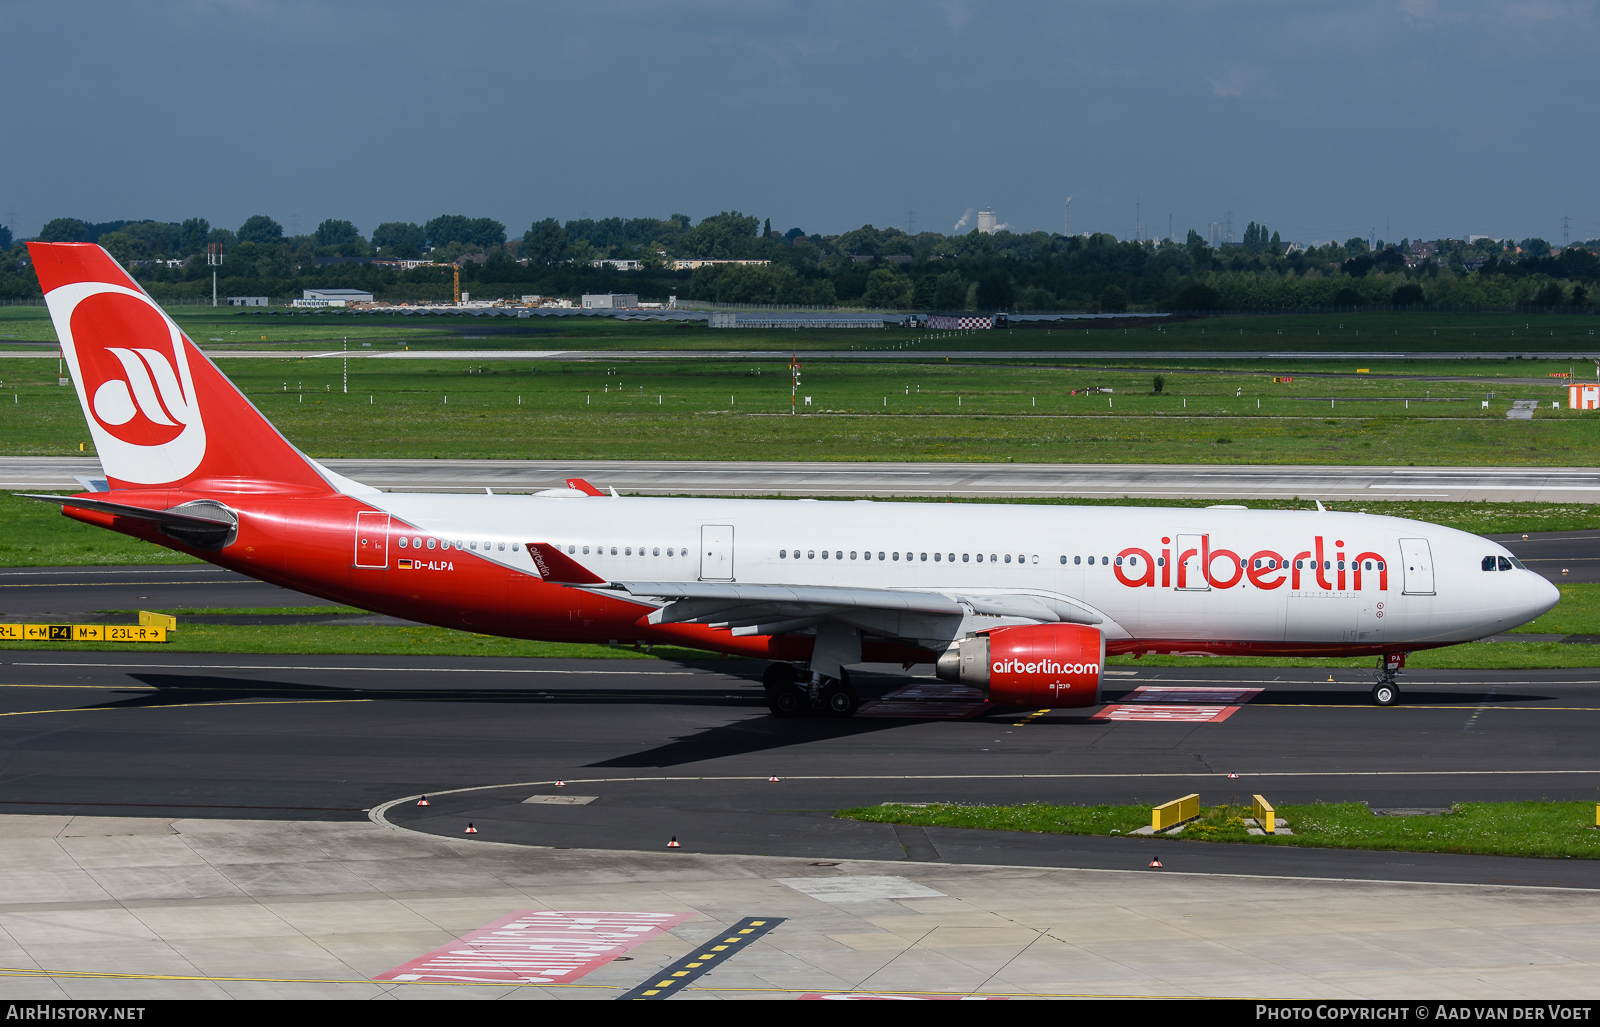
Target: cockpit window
pixel 1488 563
pixel 1505 563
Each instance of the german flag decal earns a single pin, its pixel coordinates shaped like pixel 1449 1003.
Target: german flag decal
pixel 405 565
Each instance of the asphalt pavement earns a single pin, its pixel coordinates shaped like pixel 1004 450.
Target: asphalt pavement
pixel 965 480
pixel 666 749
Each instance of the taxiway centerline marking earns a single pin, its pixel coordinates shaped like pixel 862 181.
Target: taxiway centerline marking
pixel 184 705
pixel 382 670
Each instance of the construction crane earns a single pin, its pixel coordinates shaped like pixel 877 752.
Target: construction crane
pixel 456 269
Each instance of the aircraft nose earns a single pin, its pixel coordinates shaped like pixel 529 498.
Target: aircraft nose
pixel 1543 598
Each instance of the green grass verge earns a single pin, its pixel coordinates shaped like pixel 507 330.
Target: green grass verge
pixel 245 611
pixel 1546 829
pixel 928 409
pixel 35 534
pixel 1468 656
pixel 358 640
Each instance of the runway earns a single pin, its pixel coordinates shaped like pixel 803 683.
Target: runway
pixel 968 481
pixel 687 749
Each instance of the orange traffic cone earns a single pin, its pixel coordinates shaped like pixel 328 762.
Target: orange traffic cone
pixel 674 843
pixel 424 801
pixel 471 829
pixel 1156 863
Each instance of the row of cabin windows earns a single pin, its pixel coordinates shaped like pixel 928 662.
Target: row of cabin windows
pixel 1131 561
pixel 839 554
pixel 417 543
pixel 1502 563
pixel 628 551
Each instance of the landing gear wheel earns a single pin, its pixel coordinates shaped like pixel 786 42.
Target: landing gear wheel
pixel 787 700
pixel 778 674
pixel 1385 693
pixel 838 699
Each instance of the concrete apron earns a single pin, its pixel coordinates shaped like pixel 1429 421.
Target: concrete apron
pixel 253 909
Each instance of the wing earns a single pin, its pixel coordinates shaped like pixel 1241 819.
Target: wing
pixel 760 609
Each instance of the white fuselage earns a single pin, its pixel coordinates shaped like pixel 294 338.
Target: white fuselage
pixel 1138 568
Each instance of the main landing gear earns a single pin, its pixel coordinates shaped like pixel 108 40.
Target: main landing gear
pixel 788 696
pixel 1387 692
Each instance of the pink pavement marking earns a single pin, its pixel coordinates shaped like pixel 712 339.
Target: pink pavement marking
pixel 1205 696
pixel 1185 714
pixel 536 946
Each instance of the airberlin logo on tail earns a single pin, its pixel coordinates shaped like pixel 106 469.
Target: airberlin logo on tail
pixel 132 371
pixel 146 406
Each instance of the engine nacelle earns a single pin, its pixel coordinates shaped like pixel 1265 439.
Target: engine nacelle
pixel 1040 665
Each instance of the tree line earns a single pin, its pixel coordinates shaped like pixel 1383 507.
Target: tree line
pixel 877 267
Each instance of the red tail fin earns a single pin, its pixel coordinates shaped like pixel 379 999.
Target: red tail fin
pixel 160 413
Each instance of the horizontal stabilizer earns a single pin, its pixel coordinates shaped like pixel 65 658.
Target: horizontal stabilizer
pixel 170 517
pixel 559 568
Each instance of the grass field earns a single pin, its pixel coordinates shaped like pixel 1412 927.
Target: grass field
pixel 1551 830
pixel 355 640
pixel 1026 411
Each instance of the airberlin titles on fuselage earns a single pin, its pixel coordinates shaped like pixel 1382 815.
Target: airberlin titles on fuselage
pixel 1265 568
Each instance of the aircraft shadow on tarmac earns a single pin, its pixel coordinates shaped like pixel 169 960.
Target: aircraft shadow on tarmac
pixel 756 734
pixel 181 689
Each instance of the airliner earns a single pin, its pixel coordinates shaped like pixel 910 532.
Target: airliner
pixel 1023 603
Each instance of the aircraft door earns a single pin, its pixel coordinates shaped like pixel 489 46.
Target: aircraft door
pixel 716 552
pixel 1417 566
pixel 1191 576
pixel 372 539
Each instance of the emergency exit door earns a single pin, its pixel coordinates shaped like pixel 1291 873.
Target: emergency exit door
pixel 716 552
pixel 1417 566
pixel 1193 575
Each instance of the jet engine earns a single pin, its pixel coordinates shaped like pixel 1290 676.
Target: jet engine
pixel 1040 665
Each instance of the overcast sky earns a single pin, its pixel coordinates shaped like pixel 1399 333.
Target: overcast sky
pixel 1320 119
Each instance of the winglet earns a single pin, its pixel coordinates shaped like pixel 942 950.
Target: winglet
pixel 558 568
pixel 584 487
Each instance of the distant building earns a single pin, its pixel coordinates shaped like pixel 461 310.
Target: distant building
pixel 987 222
pixel 331 297
pixel 690 265
pixel 247 301
pixel 960 322
pixel 620 265
pixel 609 300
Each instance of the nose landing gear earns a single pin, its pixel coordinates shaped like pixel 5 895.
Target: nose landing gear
pixel 788 697
pixel 1387 692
